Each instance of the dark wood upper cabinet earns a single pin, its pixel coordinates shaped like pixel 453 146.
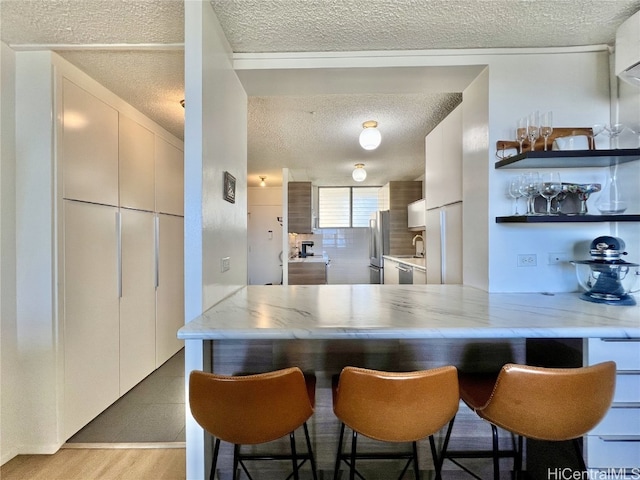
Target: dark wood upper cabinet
pixel 299 204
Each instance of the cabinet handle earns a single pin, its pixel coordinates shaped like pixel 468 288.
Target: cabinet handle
pixel 119 251
pixel 157 248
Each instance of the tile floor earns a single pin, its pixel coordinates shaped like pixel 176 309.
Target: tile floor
pixel 153 411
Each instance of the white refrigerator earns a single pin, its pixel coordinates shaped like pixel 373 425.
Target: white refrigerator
pixel 443 244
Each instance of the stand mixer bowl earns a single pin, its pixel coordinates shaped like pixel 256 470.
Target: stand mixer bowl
pixel 607 278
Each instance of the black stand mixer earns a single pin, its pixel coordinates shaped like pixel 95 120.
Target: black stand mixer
pixel 607 278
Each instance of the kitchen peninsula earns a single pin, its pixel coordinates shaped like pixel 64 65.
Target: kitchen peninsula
pixel 322 328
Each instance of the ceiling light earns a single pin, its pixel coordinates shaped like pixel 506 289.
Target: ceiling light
pixel 370 137
pixel 359 173
pixel 262 179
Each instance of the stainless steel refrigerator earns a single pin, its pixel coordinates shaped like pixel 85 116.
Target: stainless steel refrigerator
pixel 379 225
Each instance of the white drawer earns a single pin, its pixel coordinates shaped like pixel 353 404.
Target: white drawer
pixel 612 453
pixel 626 353
pixel 619 421
pixel 627 387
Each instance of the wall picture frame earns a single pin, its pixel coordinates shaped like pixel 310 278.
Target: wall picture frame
pixel 229 188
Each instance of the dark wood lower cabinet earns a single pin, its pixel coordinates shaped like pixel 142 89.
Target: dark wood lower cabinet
pixel 307 273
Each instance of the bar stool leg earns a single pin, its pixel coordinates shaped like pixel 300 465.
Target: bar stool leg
pixel 339 454
pixel 214 461
pixel 416 468
pixel 294 457
pixel 496 457
pixel 310 450
pixel 352 470
pixel 236 459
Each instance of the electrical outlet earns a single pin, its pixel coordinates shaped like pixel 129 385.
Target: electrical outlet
pixel 558 258
pixel 527 260
pixel 225 264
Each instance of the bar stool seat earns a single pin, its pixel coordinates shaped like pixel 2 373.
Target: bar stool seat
pixel 254 409
pixel 394 407
pixel 551 404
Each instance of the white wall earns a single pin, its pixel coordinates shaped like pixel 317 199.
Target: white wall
pixel 215 141
pixel 9 365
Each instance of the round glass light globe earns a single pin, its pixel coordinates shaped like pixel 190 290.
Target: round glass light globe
pixel 370 138
pixel 359 174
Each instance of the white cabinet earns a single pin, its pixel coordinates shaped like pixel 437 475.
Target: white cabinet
pixel 119 324
pixel 419 276
pixel 391 272
pixel 615 442
pixel 416 215
pixel 91 320
pixel 89 147
pixel 138 297
pixel 170 291
pixel 136 161
pixel 169 172
pixel 443 158
pixel 443 245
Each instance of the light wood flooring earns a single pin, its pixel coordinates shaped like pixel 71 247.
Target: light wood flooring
pixel 99 464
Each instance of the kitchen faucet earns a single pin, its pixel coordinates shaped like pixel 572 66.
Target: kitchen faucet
pixel 413 242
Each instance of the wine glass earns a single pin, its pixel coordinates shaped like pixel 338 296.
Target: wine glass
pixel 550 187
pixel 530 188
pixel 521 131
pixel 514 191
pixel 546 127
pixel 615 129
pixel 533 128
pixel 596 130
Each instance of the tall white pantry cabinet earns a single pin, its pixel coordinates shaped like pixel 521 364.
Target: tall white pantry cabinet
pixel 122 237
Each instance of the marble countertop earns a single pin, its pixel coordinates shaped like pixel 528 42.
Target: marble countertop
pixel 416 262
pixel 406 311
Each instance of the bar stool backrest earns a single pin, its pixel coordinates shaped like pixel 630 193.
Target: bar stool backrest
pixel 550 403
pixel 397 407
pixel 251 409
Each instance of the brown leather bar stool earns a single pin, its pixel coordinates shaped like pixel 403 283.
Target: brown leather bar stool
pixel 394 407
pixel 254 409
pixel 551 404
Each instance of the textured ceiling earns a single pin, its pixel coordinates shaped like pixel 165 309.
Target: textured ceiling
pixel 133 47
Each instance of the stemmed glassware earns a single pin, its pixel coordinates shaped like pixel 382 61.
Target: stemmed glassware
pixel 596 130
pixel 546 127
pixel 550 187
pixel 533 128
pixel 514 191
pixel 521 131
pixel 615 129
pixel 530 189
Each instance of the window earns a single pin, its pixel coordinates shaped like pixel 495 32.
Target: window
pixel 345 207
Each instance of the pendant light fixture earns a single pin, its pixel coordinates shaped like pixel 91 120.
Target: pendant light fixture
pixel 370 137
pixel 359 173
pixel 262 180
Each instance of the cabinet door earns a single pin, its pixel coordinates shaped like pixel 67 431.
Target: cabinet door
pixel 391 272
pixel 169 178
pixel 432 247
pixel 136 160
pixel 89 147
pixel 443 157
pixel 138 297
pixel 299 203
pixel 419 277
pixel 91 340
pixel 170 291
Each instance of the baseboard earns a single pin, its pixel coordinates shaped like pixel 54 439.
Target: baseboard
pixel 130 445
